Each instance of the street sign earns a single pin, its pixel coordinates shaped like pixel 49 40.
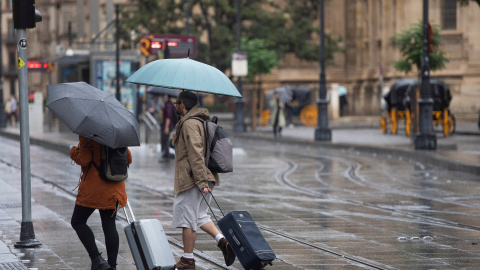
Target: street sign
pixel 239 64
pixel 178 45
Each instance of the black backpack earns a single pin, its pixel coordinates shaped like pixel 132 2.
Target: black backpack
pixel 113 164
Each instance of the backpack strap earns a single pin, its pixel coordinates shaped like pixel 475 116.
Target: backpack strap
pixel 208 148
pixel 91 162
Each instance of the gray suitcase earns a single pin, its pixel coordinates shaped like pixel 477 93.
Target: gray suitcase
pixel 148 243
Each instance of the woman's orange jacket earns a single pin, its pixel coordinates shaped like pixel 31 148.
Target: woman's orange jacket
pixel 94 192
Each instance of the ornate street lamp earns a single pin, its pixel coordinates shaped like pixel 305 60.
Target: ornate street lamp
pixel 425 138
pixel 322 133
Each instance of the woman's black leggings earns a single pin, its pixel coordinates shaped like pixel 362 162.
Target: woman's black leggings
pixel 79 224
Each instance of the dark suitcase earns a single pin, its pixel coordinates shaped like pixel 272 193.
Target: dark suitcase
pixel 148 244
pixel 244 237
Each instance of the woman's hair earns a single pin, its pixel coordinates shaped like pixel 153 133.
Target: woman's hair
pixel 189 99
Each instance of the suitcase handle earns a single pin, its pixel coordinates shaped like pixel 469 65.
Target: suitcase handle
pixel 131 212
pixel 209 205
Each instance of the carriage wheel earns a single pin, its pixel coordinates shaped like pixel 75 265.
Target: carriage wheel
pixel 451 123
pixel 383 124
pixel 265 117
pixel 408 121
pixel 309 115
pixel 445 123
pixel 393 116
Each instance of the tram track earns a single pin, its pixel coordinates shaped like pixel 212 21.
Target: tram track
pixel 353 174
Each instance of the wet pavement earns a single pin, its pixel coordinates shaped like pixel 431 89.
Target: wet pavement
pixel 366 200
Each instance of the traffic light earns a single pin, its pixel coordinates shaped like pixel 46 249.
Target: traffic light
pixel 24 14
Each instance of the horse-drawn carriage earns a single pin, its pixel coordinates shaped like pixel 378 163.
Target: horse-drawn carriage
pixel 400 104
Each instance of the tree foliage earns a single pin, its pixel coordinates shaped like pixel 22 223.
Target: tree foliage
pixel 282 29
pixel 466 2
pixel 410 44
pixel 261 60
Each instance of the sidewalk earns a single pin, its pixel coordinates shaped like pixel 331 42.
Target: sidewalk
pixel 461 151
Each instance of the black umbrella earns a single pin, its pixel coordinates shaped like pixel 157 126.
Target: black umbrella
pixel 94 114
pixel 162 91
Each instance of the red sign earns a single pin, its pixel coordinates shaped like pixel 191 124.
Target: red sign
pixel 33 65
pixel 178 45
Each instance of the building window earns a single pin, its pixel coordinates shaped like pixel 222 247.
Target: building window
pixel 449 14
pixel 12 61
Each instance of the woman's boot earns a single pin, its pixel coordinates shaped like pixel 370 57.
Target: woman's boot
pixel 99 263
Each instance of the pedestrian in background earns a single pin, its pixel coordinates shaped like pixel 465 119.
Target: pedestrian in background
pixel 192 178
pixel 168 124
pixel 96 193
pixel 8 110
pixel 278 114
pixel 13 110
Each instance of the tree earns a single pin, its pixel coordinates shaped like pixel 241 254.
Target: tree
pixel 261 60
pixel 410 43
pixel 466 2
pixel 288 29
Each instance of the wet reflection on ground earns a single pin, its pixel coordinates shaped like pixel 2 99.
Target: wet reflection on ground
pixel 317 208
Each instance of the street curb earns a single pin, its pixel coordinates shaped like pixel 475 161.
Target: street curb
pixel 426 156
pixel 60 145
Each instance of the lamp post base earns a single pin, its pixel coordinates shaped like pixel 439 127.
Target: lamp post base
pixel 239 123
pixel 323 134
pixel 426 141
pixel 27 236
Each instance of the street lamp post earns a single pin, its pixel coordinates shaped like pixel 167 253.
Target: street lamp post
pixel 239 124
pixel 425 138
pixel 117 54
pixel 3 117
pixel 322 133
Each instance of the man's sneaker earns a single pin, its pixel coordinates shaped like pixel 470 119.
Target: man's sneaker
pixel 227 251
pixel 185 263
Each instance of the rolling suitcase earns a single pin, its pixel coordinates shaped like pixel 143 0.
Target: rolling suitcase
pixel 245 238
pixel 148 243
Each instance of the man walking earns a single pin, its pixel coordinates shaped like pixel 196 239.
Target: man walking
pixel 192 178
pixel 167 125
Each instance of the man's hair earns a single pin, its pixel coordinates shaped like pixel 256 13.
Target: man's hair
pixel 188 99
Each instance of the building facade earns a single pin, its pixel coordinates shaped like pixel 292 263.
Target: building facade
pixel 367 26
pixel 72 29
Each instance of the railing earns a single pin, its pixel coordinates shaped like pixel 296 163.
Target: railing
pixel 152 128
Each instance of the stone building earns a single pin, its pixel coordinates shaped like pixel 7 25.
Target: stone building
pixel 65 37
pixel 367 26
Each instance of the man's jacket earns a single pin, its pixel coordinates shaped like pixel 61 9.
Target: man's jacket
pixel 190 169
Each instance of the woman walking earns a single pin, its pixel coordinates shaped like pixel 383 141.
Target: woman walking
pixel 96 193
pixel 278 114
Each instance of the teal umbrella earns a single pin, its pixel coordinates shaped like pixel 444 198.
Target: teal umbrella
pixel 186 74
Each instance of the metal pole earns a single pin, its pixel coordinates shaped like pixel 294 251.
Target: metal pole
pixel 3 118
pixel 239 124
pixel 187 18
pixel 117 53
pixel 425 138
pixel 27 234
pixel 322 133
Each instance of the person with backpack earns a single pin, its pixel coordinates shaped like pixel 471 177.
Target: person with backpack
pixel 192 178
pixel 97 193
pixel 168 124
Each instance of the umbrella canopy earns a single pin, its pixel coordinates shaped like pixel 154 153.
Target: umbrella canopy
pixel 186 74
pixel 284 93
pixel 342 90
pixel 94 114
pixel 162 91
